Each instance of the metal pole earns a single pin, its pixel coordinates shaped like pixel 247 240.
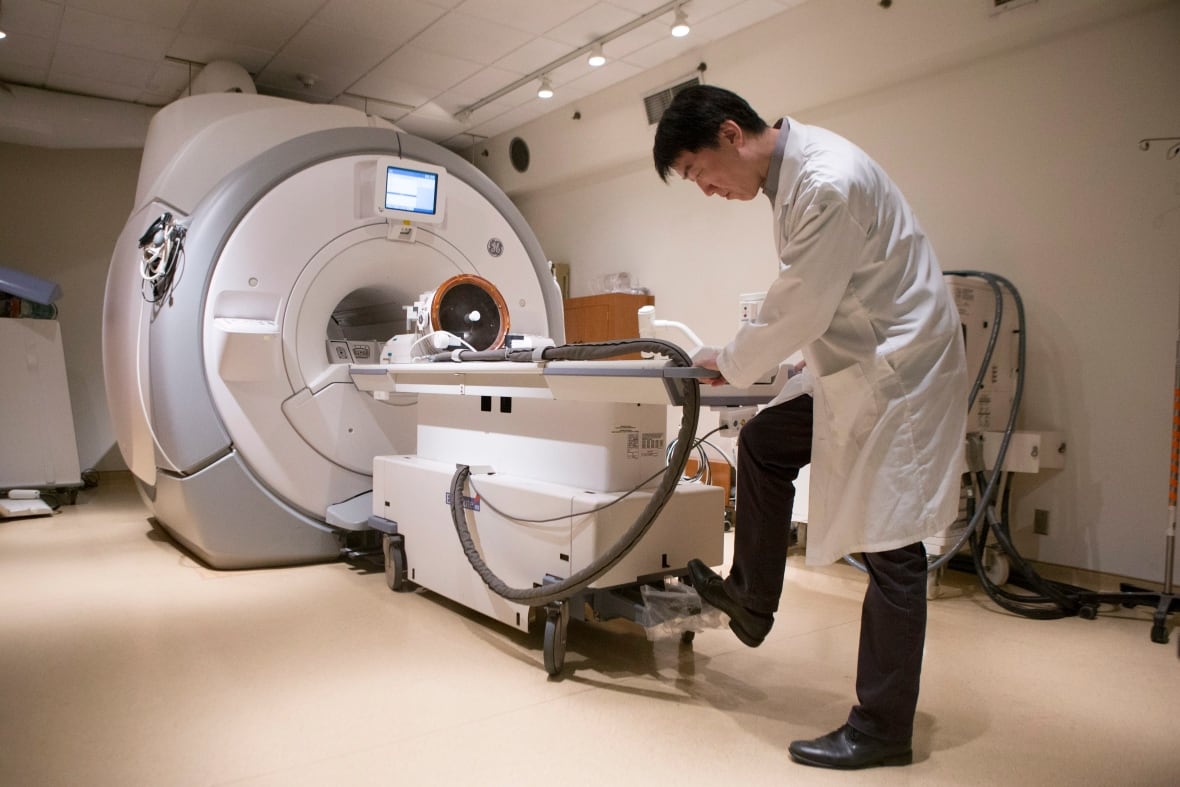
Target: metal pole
pixel 1171 554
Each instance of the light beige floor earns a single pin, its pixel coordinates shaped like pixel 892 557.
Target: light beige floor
pixel 124 662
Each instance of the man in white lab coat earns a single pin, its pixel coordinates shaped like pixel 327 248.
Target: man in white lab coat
pixel 880 412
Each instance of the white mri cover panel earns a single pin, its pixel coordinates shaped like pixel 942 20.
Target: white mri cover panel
pixel 240 431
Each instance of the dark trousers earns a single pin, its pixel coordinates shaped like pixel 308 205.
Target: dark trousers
pixel 772 448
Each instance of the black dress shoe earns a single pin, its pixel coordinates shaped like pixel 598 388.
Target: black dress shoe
pixel 751 627
pixel 849 748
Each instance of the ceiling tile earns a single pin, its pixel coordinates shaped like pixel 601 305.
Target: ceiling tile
pixel 700 10
pixel 563 75
pixel 483 83
pixel 303 79
pixel 638 38
pixel 470 38
pixel 28 51
pixel 393 21
pixel 430 125
pixel 92 86
pixel 522 95
pixel 202 49
pixel 594 22
pixel 169 80
pixel 242 23
pixel 661 51
pixel 429 69
pixel 533 55
pixel 535 16
pixel 32 17
pixel 120 36
pixel 22 74
pixel 159 13
pixel 76 61
pixel 640 7
pixel 384 84
pixel 333 49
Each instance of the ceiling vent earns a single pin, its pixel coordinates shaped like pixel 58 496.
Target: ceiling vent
pixel 657 101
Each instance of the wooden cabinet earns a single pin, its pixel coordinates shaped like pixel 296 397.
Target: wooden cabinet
pixel 601 318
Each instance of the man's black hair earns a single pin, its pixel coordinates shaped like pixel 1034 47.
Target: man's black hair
pixel 693 121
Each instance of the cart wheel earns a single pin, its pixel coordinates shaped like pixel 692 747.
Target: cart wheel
pixel 1159 634
pixel 395 563
pixel 997 569
pixel 1088 612
pixel 557 620
pixel 686 637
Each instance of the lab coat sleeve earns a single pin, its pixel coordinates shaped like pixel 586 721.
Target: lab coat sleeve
pixel 818 258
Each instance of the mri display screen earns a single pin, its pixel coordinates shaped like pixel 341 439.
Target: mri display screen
pixel 412 191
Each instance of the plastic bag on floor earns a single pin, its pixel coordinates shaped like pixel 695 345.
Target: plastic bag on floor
pixel 675 609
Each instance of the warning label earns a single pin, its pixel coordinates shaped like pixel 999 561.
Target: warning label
pixel 470 503
pixel 641 444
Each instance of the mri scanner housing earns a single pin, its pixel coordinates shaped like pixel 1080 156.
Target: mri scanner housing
pixel 247 439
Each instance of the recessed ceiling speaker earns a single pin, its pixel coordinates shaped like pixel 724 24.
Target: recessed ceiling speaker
pixel 473 309
pixel 518 154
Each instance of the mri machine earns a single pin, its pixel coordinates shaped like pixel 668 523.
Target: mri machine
pixel 278 314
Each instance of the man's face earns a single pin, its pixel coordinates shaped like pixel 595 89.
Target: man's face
pixel 724 170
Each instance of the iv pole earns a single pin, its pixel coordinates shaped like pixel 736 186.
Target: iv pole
pixel 1167 601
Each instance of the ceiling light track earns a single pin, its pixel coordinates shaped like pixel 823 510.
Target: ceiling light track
pixel 464 114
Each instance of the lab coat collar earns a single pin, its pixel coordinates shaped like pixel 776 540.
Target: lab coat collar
pixel 790 163
pixel 770 185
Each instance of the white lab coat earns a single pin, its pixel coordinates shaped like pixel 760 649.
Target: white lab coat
pixel 860 292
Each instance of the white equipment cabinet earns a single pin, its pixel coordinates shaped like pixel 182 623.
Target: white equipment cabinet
pixel 559 441
pixel 36 423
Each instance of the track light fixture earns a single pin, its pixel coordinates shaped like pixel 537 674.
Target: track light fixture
pixel 597 58
pixel 592 51
pixel 680 26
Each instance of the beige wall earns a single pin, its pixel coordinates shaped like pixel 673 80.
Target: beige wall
pixel 1023 161
pixel 60 214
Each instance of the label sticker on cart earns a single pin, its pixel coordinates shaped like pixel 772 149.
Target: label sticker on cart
pixel 641 444
pixel 470 503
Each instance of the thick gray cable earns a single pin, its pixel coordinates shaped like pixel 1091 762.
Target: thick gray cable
pixel 989 492
pixel 580 580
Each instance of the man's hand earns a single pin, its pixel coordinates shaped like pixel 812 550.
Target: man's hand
pixel 709 361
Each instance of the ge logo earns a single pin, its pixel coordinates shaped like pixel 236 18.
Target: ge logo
pixel 495 247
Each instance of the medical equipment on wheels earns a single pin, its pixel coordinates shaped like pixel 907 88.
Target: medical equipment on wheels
pixel 561 457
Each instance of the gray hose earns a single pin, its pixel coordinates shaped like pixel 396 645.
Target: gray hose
pixel 580 580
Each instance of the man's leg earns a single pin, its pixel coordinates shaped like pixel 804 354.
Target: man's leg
pixel 892 637
pixel 772 448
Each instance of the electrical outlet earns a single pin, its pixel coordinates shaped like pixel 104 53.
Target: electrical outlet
pixel 734 418
pixel 1041 522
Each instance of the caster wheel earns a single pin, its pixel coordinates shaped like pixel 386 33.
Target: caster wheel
pixel 557 620
pixel 1088 612
pixel 395 563
pixel 686 637
pixel 997 569
pixel 1159 634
